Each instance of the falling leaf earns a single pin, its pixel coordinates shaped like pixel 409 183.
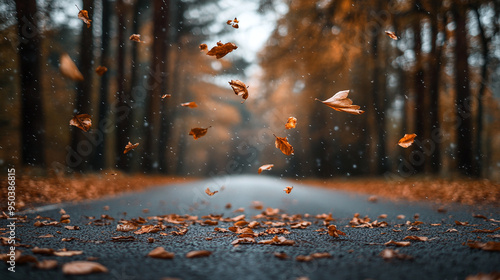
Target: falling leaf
pixel 84 16
pixel 407 140
pixel 83 267
pixel 416 238
pixel 46 264
pixel 198 254
pixel 221 50
pixel 82 121
pixel 207 191
pixel 291 123
pixel 69 69
pixel 101 70
pixel 265 167
pixel 189 104
pixel 136 38
pixel 198 132
pixel 233 23
pixel 239 88
pixel 160 253
pixel 398 243
pixel 282 144
pixel 341 103
pixel 129 147
pixel 203 47
pixel 166 95
pixel 392 35
pixel 288 189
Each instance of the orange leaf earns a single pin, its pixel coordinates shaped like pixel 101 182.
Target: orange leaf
pixel 69 69
pixel 82 121
pixel 160 253
pixel 392 35
pixel 233 23
pixel 407 140
pixel 221 50
pixel 239 88
pixel 189 104
pixel 341 103
pixel 282 144
pixel 397 243
pixel 333 231
pixel 197 254
pixel 198 132
pixel 265 167
pixel 129 147
pixel 101 70
pixel 136 38
pixel 207 191
pixel 203 47
pixel 291 123
pixel 83 267
pixel 288 189
pixel 84 15
pixel 166 95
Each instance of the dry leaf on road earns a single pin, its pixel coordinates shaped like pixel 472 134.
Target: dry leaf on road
pixel 83 267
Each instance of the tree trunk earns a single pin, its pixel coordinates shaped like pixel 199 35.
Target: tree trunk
pixel 122 109
pixel 463 93
pixel 100 152
pixel 158 70
pixel 32 137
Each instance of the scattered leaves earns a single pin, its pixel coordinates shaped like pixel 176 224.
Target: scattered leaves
pixel 222 50
pixel 392 35
pixel 407 140
pixel 82 121
pixel 340 102
pixel 198 132
pixel 160 253
pixel 282 144
pixel 239 88
pixel 83 267
pixel 288 189
pixel 291 123
pixel 207 191
pixel 130 147
pixel 68 68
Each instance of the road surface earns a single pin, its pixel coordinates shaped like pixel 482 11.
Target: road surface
pixel 353 256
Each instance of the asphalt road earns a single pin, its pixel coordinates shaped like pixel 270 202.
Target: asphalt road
pixel 354 256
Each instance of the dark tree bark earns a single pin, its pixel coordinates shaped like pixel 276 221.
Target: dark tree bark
pixel 32 133
pixel 100 155
pixel 157 82
pixel 463 100
pixel 122 109
pixel 79 141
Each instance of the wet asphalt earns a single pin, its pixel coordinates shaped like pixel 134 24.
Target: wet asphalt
pixel 354 256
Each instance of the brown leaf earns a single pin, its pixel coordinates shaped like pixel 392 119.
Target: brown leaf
pixel 222 50
pixel 398 243
pixel 488 246
pixel 136 38
pixel 198 132
pixel 278 240
pixel 101 70
pixel 392 35
pixel 43 251
pixel 46 236
pixel 207 191
pixel 486 230
pixel 83 267
pixel 281 255
pixel 340 102
pixel 321 255
pixel 416 238
pixel 69 69
pixel 189 104
pixel 333 231
pixel 148 229
pixel 244 240
pixel 484 276
pixel 388 254
pixel 233 23
pixel 198 254
pixel 458 223
pixel 302 258
pixel 64 253
pixel 282 144
pixel 122 238
pixel 46 264
pixel 82 121
pixel 129 147
pixel 84 15
pixel 126 227
pixel 288 189
pixel 291 123
pixel 166 95
pixel 203 47
pixel 265 167
pixel 72 227
pixel 239 88
pixel 407 140
pixel 160 253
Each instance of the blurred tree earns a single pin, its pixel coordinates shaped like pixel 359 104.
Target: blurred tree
pixel 32 130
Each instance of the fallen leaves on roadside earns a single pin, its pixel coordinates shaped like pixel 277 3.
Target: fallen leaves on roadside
pixel 68 68
pixel 243 240
pixel 291 123
pixel 84 16
pixel 82 121
pixel 233 23
pixel 207 191
pixel 122 238
pixel 239 88
pixel 451 230
pixel 265 167
pixel 340 102
pixel 46 264
pixel 160 253
pixel 288 189
pixel 407 140
pixel 72 227
pixel 136 38
pixel 398 243
pixel 189 104
pixel 282 144
pixel 129 147
pixel 301 225
pixel 198 132
pixel 321 255
pixel 486 246
pixel 43 251
pixel 101 70
pixel 198 254
pixel 486 230
pixel 148 229
pixel 458 223
pixel 333 231
pixel 388 254
pixel 278 240
pixel 46 236
pixel 416 238
pixel 83 267
pixel 392 35
pixel 126 227
pixel 221 50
